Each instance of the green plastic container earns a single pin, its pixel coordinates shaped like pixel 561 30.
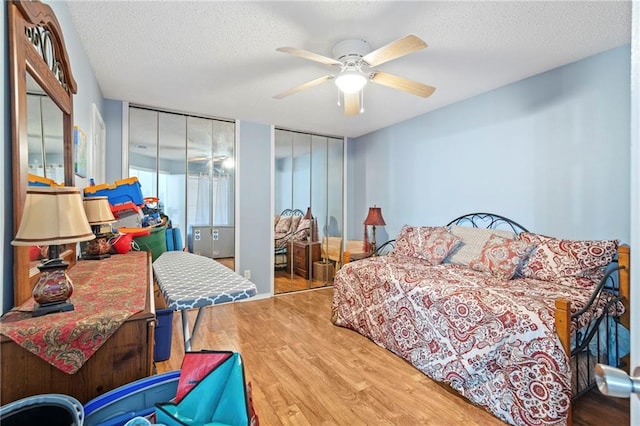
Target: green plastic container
pixel 156 242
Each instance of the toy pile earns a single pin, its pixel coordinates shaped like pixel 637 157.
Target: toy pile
pixel 140 222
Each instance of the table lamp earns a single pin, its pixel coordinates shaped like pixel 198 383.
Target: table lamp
pixel 374 218
pixel 100 217
pixel 52 216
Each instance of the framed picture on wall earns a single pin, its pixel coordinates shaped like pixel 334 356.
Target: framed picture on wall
pixel 80 149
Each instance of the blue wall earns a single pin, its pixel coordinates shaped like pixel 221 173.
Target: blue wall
pixel 89 92
pixel 550 152
pixel 113 152
pixel 255 219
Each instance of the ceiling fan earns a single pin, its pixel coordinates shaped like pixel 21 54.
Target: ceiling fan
pixel 356 60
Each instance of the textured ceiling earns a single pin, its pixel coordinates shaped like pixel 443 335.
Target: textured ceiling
pixel 219 59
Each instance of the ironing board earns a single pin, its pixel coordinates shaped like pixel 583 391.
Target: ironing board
pixel 189 281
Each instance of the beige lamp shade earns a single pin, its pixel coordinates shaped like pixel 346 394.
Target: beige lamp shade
pixel 98 210
pixel 53 216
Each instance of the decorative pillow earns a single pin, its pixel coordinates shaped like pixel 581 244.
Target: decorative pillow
pixel 304 224
pixel 501 256
pixel 555 258
pixel 295 221
pixel 474 240
pixel 284 224
pixel 428 243
pixel 275 221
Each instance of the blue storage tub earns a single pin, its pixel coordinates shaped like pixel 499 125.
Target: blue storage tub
pixel 169 237
pixel 121 191
pixel 163 333
pixel 136 399
pixel 177 239
pixel 35 180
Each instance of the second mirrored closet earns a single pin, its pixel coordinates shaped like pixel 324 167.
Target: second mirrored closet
pixel 308 216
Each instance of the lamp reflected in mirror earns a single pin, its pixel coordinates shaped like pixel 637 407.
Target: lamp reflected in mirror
pixel 52 216
pixel 100 218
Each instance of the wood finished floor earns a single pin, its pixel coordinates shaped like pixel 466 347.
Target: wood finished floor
pixel 306 371
pixel 285 282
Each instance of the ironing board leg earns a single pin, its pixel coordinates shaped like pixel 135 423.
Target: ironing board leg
pixel 185 331
pixel 185 327
pixel 198 318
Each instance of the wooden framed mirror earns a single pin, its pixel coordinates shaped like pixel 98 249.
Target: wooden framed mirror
pixel 38 64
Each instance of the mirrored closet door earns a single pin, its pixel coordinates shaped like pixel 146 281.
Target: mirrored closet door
pixel 188 163
pixel 308 210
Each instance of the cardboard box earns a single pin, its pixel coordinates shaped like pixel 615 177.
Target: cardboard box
pixel 323 271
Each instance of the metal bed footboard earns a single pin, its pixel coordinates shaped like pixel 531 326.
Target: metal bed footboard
pixel 599 341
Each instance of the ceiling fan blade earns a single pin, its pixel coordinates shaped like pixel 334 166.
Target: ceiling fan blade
pixel 403 84
pixel 303 86
pixel 352 103
pixel 308 55
pixel 395 49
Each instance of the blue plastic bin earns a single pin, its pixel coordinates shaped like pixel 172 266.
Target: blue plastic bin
pixel 134 399
pixel 169 238
pixel 177 239
pixel 121 191
pixel 164 327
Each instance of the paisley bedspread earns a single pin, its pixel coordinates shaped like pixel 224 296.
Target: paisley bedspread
pixel 492 340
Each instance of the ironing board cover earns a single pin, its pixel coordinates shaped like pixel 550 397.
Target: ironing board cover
pixel 189 281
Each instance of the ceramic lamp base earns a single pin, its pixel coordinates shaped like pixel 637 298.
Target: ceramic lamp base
pixel 53 289
pixel 95 256
pixel 98 247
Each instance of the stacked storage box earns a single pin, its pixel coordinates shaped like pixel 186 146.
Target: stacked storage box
pixel 125 198
pixel 121 191
pixel 35 180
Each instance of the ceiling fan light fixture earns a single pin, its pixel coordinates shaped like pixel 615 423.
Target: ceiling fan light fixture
pixel 351 81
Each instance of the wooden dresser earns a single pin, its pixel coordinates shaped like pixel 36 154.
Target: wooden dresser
pixel 303 254
pixel 127 355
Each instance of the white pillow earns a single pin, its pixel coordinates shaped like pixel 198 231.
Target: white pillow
pixel 473 240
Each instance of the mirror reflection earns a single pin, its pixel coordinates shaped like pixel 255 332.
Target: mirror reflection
pixel 187 162
pixel 308 210
pixel 45 135
pixel 45 150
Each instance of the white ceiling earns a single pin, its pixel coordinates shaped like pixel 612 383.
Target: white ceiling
pixel 219 59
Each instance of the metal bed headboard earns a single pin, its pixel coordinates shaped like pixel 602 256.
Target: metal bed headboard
pixel 290 212
pixel 488 221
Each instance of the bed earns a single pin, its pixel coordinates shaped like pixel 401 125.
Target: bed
pixel 512 320
pixel 290 225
